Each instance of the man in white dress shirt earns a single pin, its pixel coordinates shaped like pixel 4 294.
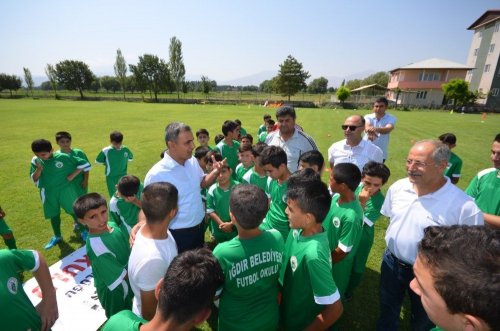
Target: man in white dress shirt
pixel 379 124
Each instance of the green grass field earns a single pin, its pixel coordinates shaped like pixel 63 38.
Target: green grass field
pixel 142 125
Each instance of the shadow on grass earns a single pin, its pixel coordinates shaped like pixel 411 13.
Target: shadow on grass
pixel 66 248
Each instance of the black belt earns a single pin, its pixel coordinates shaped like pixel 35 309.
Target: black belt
pixel 400 262
pixel 191 229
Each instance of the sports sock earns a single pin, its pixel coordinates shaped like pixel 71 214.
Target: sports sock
pixel 55 222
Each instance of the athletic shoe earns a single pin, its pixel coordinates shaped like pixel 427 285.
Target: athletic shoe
pixel 84 235
pixel 53 241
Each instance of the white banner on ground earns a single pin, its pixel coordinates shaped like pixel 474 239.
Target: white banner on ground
pixel 79 307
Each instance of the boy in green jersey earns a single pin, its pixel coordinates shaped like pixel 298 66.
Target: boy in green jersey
pixel 108 250
pixel 246 158
pixel 454 163
pixel 268 129
pixel 125 205
pixel 310 298
pixel 456 277
pixel 257 175
pixel 53 174
pixel 218 206
pixel 373 177
pixel 263 127
pixel 228 147
pixel 203 137
pixel 251 263
pixel 115 157
pixel 241 130
pixel 6 232
pixel 344 222
pixel 246 140
pixel 185 295
pixel 484 188
pixel 274 162
pixel 81 181
pixel 16 310
pixel 312 159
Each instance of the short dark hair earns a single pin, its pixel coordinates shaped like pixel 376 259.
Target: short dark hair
pixel 383 100
pixel 158 199
pixel 116 136
pixel 273 155
pixel 347 173
pixel 229 126
pixel 375 169
pixel 270 122
pixel 313 157
pixel 464 262
pixel 62 135
pixel 216 155
pixel 172 130
pixel 200 152
pixel 238 122
pixel 189 285
pixel 267 116
pixel 286 110
pixel 218 138
pixel 202 131
pixel 312 196
pixel 448 138
pixel 88 202
pixel 41 145
pixel 299 177
pixel 258 148
pixel 249 205
pixel 497 138
pixel 128 185
pixel 248 136
pixel 245 148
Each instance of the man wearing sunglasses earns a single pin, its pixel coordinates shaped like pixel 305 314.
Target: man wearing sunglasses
pixel 353 149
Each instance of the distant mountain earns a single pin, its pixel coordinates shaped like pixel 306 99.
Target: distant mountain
pixel 254 79
pixel 335 81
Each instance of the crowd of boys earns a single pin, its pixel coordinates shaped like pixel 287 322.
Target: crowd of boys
pixel 289 251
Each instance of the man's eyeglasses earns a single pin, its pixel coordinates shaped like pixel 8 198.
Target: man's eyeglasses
pixel 351 127
pixel 417 163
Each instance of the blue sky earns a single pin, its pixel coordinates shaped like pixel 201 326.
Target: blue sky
pixel 226 40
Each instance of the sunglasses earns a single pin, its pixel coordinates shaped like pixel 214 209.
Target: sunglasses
pixel 351 127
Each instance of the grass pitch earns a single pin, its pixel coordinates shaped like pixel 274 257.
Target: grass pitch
pixel 143 124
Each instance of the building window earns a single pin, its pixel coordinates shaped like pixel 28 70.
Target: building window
pixel 494 92
pixel 475 52
pixel 429 76
pixel 421 94
pixel 492 48
pixel 487 68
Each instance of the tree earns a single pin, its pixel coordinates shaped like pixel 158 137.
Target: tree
pixel 29 80
pixel 177 69
pixel 121 71
pixel 110 83
pixel 151 73
pixel 318 86
pixel 206 85
pixel 75 75
pixel 343 93
pixel 51 73
pixel 380 78
pixel 10 82
pixel 291 78
pixel 353 84
pixel 458 90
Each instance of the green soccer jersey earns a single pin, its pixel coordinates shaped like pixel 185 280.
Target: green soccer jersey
pixel 56 170
pixel 262 128
pixel 125 320
pixel 124 213
pixel 251 177
pixel 108 253
pixel 230 153
pixel 262 136
pixel 16 310
pixel 218 202
pixel 484 188
pixel 241 171
pixel 454 166
pixel 115 160
pixel 343 224
pixel 79 178
pixel 371 213
pixel 249 299
pixel 276 218
pixel 306 277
